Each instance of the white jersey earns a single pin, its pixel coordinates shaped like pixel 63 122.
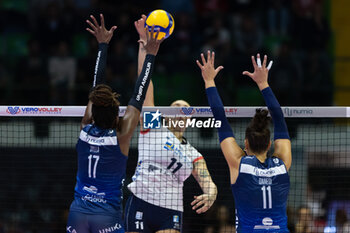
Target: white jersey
pixel 164 164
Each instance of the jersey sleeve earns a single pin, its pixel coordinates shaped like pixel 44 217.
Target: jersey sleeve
pixel 145 131
pixel 194 154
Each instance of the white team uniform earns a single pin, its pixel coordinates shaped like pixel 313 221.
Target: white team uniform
pixel 164 164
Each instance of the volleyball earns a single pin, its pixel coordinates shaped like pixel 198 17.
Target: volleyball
pixel 161 20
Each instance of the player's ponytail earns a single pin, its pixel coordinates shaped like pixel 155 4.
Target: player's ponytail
pixel 258 131
pixel 105 106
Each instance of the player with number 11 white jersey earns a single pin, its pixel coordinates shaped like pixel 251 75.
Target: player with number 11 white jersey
pixel 166 160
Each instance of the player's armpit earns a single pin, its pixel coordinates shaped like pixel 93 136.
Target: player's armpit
pixel 87 118
pixel 232 152
pixel 283 150
pixel 127 126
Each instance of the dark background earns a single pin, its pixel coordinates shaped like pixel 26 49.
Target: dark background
pixel 41 41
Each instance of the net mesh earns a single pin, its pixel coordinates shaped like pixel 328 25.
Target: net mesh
pixel 38 168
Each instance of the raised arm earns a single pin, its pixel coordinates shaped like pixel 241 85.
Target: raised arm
pixel 231 150
pixel 103 37
pixel 140 28
pixel 203 202
pixel 132 115
pixel 283 149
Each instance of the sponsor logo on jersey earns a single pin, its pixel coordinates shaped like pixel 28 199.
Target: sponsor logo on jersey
pixel 276 161
pixel 267 224
pixel 267 221
pixel 176 218
pixel 117 226
pixel 169 146
pixel 13 110
pixel 69 229
pixel 137 171
pixel 139 215
pixel 94 149
pixel 270 172
pixel 93 195
pixel 151 120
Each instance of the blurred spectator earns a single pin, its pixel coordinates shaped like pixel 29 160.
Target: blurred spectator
pixel 33 75
pixel 51 28
pixel 305 222
pixel 84 5
pixel 177 6
pixel 304 8
pixel 314 200
pixel 317 83
pixel 286 74
pixel 291 219
pixel 248 36
pixel 222 223
pixel 221 36
pixel 312 31
pixel 5 83
pixel 278 17
pixel 205 7
pixel 232 28
pixel 341 221
pixel 62 71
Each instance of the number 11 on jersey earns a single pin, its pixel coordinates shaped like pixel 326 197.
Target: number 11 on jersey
pixel 267 189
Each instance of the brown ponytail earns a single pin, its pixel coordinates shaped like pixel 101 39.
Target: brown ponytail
pixel 105 106
pixel 258 131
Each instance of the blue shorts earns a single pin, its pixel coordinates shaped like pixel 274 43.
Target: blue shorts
pixel 141 216
pixel 89 223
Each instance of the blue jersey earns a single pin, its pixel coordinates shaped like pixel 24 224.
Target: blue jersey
pixel 261 193
pixel 101 172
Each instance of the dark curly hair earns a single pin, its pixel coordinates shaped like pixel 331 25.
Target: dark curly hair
pixel 105 106
pixel 258 131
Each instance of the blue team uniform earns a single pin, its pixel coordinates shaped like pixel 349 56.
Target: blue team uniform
pixel 261 193
pixel 98 191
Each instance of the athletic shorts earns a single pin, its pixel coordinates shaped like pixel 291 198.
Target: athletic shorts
pixel 141 216
pixel 89 223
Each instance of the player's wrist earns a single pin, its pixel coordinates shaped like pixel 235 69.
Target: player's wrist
pixel 101 44
pixel 209 83
pixel 263 85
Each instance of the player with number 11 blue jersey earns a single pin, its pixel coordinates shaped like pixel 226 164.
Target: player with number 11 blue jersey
pixel 260 184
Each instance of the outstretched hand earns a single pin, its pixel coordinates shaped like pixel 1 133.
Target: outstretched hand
pixel 202 203
pixel 261 72
pixel 99 31
pixel 140 28
pixel 208 70
pixel 152 43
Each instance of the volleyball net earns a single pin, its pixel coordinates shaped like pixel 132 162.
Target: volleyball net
pixel 38 165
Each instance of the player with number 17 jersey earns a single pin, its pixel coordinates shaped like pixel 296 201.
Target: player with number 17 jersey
pixel 101 171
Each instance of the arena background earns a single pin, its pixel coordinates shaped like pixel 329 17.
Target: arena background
pixel 307 39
